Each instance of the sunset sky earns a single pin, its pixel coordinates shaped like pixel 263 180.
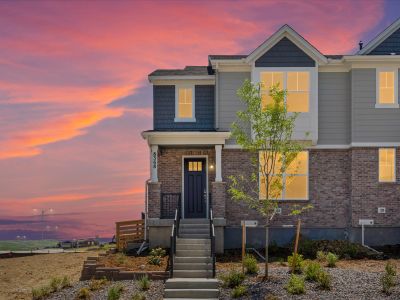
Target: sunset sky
pixel 74 94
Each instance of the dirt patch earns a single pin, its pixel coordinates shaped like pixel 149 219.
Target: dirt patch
pixel 132 263
pixel 19 275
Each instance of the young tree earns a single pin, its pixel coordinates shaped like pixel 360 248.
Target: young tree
pixel 273 151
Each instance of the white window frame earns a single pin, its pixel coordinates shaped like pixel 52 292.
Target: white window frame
pixel 396 88
pixel 284 182
pixel 177 87
pixel 394 163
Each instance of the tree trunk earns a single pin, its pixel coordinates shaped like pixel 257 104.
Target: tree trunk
pixel 266 249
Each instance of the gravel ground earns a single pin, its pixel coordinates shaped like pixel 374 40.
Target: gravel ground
pixel 346 284
pixel 130 288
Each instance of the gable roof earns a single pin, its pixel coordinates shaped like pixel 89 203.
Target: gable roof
pixel 380 38
pixel 292 35
pixel 188 70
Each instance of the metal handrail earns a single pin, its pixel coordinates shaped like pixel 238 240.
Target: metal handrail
pixel 212 237
pixel 174 235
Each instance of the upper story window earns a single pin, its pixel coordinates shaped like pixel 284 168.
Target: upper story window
pixel 294 180
pixel 387 165
pixel 184 103
pixel 297 85
pixel 386 88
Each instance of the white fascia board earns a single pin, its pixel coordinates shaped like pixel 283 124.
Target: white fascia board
pixel 372 58
pixel 186 138
pixel 380 38
pixel 292 35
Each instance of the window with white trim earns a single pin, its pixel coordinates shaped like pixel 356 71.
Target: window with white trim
pixel 387 164
pixel 294 181
pixel 184 104
pixel 387 87
pixel 297 85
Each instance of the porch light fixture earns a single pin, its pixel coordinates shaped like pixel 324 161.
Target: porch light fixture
pixel 211 167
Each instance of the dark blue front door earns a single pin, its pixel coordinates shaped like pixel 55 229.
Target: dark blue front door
pixel 195 187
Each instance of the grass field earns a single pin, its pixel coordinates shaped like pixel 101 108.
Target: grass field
pixel 26 245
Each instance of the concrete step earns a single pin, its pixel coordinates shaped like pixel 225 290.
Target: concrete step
pixel 194 235
pixel 192 266
pixel 195 253
pixel 190 259
pixel 191 283
pixel 192 246
pixel 192 273
pixel 194 221
pixel 185 230
pixel 191 293
pixel 181 241
pixel 195 226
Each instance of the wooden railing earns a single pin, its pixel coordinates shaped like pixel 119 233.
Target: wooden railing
pixel 129 231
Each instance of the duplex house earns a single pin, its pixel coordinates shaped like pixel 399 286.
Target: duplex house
pixel 348 105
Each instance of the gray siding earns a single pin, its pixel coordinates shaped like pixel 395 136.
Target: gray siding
pixel 334 108
pixel 164 108
pixel 390 45
pixel 285 54
pixel 228 101
pixel 370 124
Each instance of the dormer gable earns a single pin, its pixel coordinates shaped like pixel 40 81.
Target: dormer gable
pixel 385 43
pixel 283 47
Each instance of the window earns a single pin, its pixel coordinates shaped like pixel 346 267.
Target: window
pixel 195 166
pixel 184 104
pixel 386 88
pixel 294 181
pixel 297 85
pixel 387 165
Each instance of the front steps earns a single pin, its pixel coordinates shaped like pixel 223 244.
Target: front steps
pixel 192 278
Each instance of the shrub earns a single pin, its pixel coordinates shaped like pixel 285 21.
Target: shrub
pixel 298 263
pixel 138 297
pixel 97 284
pixel 282 261
pixel 155 260
pixel 55 284
pixel 312 270
pixel 321 256
pixel 144 283
pixel 121 258
pixel 324 280
pixel 332 259
pixel 233 278
pixel 114 292
pixel 83 294
pixel 40 293
pixel 250 263
pixel 388 279
pixel 66 282
pixel 295 285
pixel 239 291
pixel 158 252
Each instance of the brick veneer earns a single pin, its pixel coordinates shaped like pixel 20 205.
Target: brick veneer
pixel 170 166
pixel 154 194
pixel 218 199
pixel 343 187
pixel 368 193
pixel 329 174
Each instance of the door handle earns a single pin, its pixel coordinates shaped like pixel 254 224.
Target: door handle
pixel 205 194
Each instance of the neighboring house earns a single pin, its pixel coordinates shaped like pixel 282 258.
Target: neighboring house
pixel 349 105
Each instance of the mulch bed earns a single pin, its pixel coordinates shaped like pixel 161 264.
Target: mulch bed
pixel 350 280
pixel 132 263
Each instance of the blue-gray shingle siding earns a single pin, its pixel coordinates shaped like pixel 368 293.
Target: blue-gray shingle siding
pixel 388 46
pixel 285 54
pixel 164 109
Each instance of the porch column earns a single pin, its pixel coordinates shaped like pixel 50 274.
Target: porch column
pixel 218 176
pixel 154 163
